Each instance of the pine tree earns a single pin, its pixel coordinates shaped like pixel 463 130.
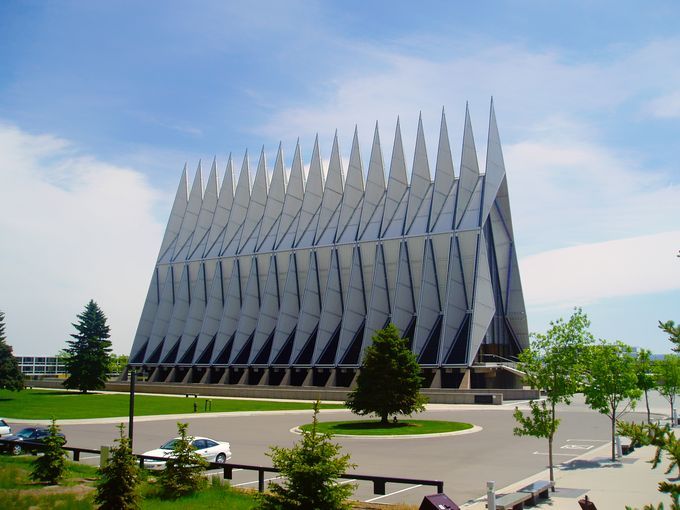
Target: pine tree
pixel 51 465
pixel 183 473
pixel 673 333
pixel 118 486
pixel 87 359
pixel 311 469
pixel 389 381
pixel 11 377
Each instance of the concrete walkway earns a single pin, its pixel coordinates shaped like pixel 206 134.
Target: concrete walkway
pixel 609 485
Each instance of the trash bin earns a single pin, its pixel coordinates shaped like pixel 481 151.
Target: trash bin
pixel 438 502
pixel 586 504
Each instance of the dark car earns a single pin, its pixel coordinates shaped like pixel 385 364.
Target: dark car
pixel 32 436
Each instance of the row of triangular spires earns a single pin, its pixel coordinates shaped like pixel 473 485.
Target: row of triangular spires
pixel 302 272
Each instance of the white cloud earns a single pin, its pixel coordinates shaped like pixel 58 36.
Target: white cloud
pixel 667 106
pixel 73 228
pixel 587 273
pixel 379 83
pixel 569 191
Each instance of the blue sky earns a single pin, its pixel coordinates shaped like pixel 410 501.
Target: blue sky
pixel 101 104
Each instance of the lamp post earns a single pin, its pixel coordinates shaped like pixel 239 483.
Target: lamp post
pixel 133 380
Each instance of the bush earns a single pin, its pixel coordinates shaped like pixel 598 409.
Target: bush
pixel 311 469
pixel 50 466
pixel 183 473
pixel 118 486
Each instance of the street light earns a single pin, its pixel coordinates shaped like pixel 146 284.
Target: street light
pixel 133 380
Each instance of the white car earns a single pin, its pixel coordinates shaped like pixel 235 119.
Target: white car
pixel 209 449
pixel 5 429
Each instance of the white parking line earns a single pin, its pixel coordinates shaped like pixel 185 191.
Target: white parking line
pixel 345 482
pixel 556 454
pixel 250 483
pixel 588 440
pixel 392 493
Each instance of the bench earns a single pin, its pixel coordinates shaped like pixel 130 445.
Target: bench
pixel 513 501
pixel 538 489
pixel 187 395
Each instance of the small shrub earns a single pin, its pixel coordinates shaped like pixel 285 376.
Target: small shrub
pixel 311 469
pixel 118 486
pixel 51 466
pixel 183 473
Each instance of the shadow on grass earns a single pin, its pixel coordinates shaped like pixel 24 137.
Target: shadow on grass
pixel 61 393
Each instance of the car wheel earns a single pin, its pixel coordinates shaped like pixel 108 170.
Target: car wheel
pixel 221 458
pixel 16 449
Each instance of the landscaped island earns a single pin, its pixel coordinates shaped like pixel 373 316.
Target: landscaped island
pixel 400 428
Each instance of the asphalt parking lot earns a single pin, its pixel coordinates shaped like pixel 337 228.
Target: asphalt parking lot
pixel 464 462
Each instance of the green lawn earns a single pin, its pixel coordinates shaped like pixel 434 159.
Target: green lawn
pixel 44 404
pixel 18 492
pixel 401 428
pixel 215 497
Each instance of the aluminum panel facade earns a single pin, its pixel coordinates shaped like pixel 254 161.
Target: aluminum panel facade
pixel 298 274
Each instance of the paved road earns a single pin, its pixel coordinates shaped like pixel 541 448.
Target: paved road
pixel 463 462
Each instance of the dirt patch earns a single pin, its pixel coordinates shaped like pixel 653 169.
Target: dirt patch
pixel 80 491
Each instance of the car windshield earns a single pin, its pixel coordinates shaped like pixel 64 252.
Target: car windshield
pixel 25 433
pixel 169 445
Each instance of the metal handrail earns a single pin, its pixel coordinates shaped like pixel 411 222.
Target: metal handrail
pixel 501 358
pixel 378 481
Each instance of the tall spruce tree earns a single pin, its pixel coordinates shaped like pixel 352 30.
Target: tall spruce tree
pixel 87 359
pixel 118 485
pixel 389 381
pixel 11 377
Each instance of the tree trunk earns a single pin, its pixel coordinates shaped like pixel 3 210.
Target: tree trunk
pixel 649 416
pixel 613 437
pixel 383 419
pixel 550 446
pixel 550 461
pixel 672 401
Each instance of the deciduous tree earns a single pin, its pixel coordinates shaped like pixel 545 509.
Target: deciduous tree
pixel 645 376
pixel 389 380
pixel 87 359
pixel 311 469
pixel 611 381
pixel 117 363
pixel 667 372
pixel 11 377
pixel 553 364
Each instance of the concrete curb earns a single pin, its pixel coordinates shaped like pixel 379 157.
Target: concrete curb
pixel 473 430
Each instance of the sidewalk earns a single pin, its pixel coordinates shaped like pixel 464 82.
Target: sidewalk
pixel 609 485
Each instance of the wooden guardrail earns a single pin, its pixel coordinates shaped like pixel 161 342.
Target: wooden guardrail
pixel 379 482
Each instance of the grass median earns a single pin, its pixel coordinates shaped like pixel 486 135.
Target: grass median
pixel 76 491
pixel 400 428
pixel 44 404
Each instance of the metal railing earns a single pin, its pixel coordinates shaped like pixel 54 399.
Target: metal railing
pixel 379 482
pixel 495 358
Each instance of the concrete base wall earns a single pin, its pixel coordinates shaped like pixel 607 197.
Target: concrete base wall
pixel 435 396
